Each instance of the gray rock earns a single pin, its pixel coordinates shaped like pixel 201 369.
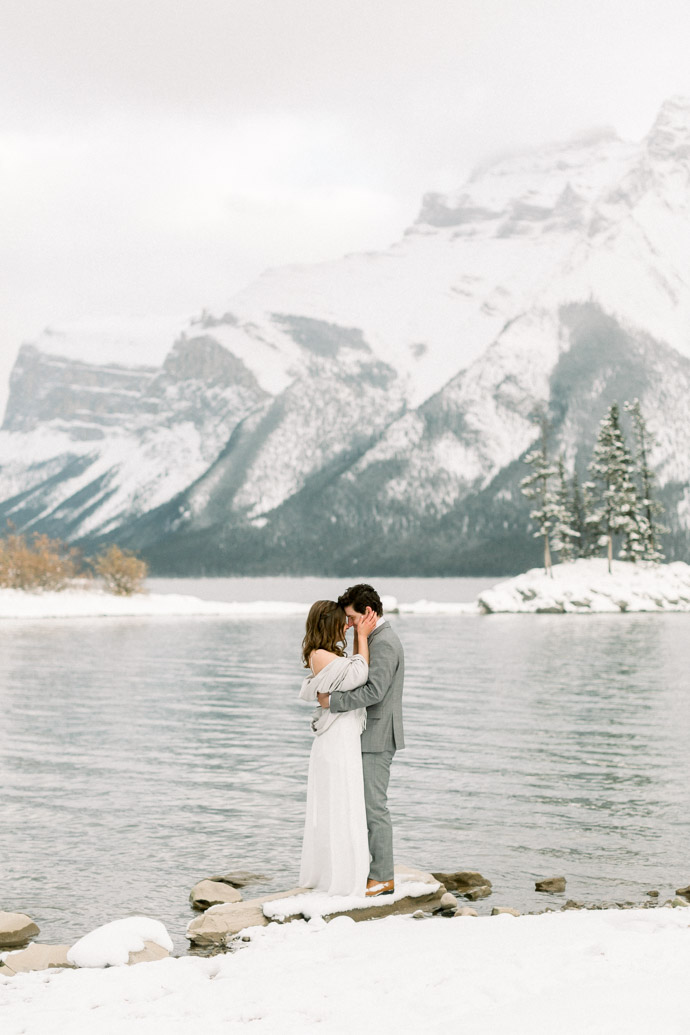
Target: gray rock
pixel 553 885
pixel 679 900
pixel 654 894
pixel 466 911
pixel 474 894
pixel 572 904
pixel 448 901
pixel 151 952
pixel 16 929
pixel 209 893
pixel 383 907
pixel 36 957
pixel 508 910
pixel 462 880
pixel 685 892
pixel 219 923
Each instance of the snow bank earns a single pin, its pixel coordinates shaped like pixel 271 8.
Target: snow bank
pixel 111 944
pixel 82 603
pixel 606 972
pixel 94 603
pixel 318 904
pixel 585 586
pixel 581 587
pixel 432 607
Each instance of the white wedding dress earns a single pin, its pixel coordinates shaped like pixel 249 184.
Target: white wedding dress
pixel 335 850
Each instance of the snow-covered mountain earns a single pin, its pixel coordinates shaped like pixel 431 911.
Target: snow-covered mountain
pixel 370 413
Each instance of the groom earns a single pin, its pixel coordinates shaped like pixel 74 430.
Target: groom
pixel 381 695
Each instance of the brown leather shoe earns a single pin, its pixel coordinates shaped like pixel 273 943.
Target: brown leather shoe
pixel 379 887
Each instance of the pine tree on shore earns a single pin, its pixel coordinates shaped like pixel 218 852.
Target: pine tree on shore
pixel 585 543
pixel 565 534
pixel 536 487
pixel 650 509
pixel 614 496
pixel 589 543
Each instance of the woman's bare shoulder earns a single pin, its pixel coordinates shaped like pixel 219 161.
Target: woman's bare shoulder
pixel 320 658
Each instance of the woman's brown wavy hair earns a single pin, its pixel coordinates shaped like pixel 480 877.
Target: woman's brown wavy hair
pixel 325 629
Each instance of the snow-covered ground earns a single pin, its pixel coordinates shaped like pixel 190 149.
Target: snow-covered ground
pixel 94 603
pixel 599 973
pixel 586 586
pixel 84 603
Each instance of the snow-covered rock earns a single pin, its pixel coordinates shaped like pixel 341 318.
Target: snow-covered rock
pixel 586 586
pixel 318 904
pixel 121 942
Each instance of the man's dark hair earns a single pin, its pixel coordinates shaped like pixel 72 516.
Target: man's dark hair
pixel 361 597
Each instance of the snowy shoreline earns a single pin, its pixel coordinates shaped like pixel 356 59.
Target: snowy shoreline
pixel 572 972
pixel 580 587
pixel 587 587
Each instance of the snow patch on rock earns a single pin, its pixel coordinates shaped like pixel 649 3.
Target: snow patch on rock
pixel 111 944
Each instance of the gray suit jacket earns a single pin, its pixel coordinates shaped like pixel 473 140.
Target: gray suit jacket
pixel 381 695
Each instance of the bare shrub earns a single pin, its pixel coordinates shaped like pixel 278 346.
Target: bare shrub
pixel 38 562
pixel 122 571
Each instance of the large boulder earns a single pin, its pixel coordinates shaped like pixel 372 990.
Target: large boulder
pixel 210 892
pixel 384 907
pixel 219 923
pixel 35 957
pixel 462 880
pixel 16 929
pixel 413 888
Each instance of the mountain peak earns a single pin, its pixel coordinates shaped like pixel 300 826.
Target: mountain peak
pixel 669 137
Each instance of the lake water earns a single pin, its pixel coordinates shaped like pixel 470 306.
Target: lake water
pixel 138 756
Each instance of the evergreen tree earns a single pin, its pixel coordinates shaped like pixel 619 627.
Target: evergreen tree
pixel 589 543
pixel 536 487
pixel 650 508
pixel 615 510
pixel 583 543
pixel 565 534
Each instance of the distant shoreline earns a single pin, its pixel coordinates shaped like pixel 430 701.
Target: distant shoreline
pixel 580 587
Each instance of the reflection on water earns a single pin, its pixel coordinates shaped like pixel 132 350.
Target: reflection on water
pixel 138 756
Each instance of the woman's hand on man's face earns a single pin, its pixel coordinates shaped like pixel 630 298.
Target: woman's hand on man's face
pixel 367 624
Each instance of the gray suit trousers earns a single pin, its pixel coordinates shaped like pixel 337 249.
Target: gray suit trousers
pixel 377 769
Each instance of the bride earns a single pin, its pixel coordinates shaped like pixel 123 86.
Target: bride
pixel 335 850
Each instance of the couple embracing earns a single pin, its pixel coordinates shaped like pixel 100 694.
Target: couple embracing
pixel 348 838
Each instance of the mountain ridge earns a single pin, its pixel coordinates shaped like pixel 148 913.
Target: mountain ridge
pixel 373 410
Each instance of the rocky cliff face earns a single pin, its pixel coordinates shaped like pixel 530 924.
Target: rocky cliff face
pixel 371 413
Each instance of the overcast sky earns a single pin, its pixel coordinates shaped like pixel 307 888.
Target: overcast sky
pixel 156 155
